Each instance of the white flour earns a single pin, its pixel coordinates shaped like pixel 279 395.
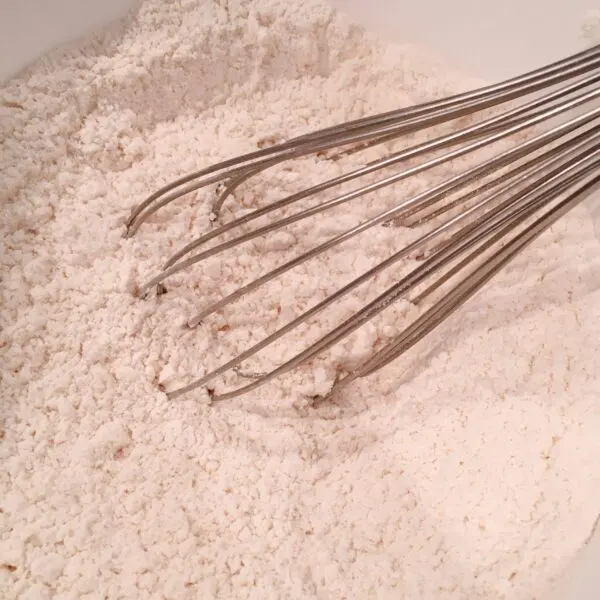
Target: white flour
pixel 467 469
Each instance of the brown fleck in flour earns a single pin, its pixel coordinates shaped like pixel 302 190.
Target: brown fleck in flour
pixel 467 469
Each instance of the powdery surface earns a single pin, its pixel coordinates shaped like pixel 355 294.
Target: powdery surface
pixel 468 469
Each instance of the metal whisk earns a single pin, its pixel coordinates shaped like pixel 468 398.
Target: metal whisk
pixel 478 220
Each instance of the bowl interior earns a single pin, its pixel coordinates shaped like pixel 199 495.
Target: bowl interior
pixel 487 38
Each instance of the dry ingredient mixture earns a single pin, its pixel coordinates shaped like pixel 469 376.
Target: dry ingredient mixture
pixel 467 469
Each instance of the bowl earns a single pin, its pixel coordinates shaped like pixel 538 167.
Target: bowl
pixel 488 38
pixel 493 40
pixel 30 28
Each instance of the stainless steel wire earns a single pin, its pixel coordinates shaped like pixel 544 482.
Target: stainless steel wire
pixel 491 211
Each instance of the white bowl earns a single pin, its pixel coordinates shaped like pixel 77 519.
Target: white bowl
pixel 30 28
pixel 490 38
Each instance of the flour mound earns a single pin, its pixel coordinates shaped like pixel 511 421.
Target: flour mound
pixel 467 469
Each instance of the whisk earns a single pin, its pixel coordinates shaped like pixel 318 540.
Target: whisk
pixel 474 223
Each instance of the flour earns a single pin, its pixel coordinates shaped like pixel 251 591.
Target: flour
pixel 466 469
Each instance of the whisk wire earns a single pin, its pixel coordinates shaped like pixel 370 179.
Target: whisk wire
pixel 430 319
pixel 423 115
pixel 430 196
pixel 504 125
pixel 491 211
pixel 470 285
